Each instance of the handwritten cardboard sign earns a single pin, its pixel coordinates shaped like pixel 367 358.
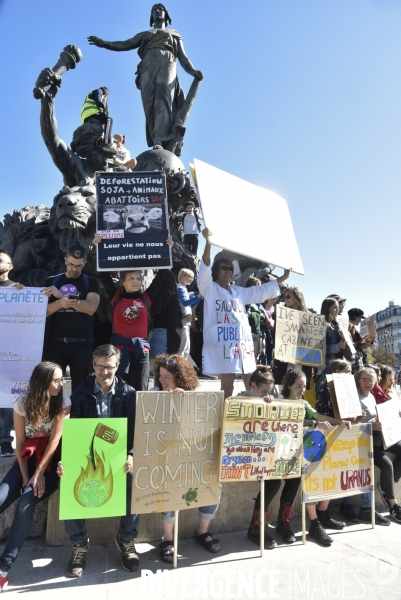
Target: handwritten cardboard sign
pixel 337 462
pixel 389 416
pixel 344 395
pixel 300 337
pixel 176 451
pixel 261 440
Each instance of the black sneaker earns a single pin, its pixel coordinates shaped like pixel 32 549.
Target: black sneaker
pixel 129 557
pixel 254 536
pixel 365 514
pixel 384 496
pixel 327 520
pixel 395 513
pixel 347 512
pixel 318 533
pixel 77 563
pixel 7 449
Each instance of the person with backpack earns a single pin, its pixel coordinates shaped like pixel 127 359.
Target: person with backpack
pixel 73 299
pixel 131 318
pixel 191 226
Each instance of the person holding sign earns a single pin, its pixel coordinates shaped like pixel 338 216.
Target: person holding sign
pixel 104 394
pixel 294 386
pixel 228 343
pixel 38 416
pixel 174 374
pixel 365 380
pixel 261 385
pixel 130 320
pixel 335 342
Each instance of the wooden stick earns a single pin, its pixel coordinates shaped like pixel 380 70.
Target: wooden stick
pixel 176 513
pixel 262 517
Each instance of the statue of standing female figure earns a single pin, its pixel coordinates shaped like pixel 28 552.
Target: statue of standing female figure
pixel 162 96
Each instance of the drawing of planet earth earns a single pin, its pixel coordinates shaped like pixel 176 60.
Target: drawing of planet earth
pixel 92 494
pixel 315 446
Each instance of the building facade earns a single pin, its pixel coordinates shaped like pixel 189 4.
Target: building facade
pixel 388 329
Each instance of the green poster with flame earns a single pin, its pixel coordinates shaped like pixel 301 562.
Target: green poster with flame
pixel 94 453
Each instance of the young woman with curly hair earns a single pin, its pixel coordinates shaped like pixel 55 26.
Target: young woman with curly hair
pixel 174 374
pixel 38 415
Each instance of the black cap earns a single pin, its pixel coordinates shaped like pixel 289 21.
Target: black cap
pixel 353 313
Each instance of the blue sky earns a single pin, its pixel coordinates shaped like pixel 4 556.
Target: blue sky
pixel 302 97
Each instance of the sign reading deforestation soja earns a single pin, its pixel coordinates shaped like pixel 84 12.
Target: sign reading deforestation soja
pixel 338 462
pixel 132 220
pixel 176 451
pixel 300 337
pixel 389 416
pixel 261 440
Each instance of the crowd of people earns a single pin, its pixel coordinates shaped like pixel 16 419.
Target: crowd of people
pixel 152 330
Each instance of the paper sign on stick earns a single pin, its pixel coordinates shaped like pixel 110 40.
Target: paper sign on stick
pixel 300 337
pixel 371 328
pixel 389 416
pixel 176 451
pixel 337 463
pixel 224 198
pixel 344 395
pixel 94 453
pixel 22 327
pixel 261 440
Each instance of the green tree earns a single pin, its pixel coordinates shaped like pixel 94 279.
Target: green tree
pixel 383 356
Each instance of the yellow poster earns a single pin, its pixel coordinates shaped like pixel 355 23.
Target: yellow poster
pixel 261 440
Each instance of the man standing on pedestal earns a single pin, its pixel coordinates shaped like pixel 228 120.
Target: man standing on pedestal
pixel 73 298
pixel 106 395
pixel 191 226
pixel 6 414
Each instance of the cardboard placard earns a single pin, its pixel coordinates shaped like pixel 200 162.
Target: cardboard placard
pixel 300 337
pixel 22 328
pixel 344 395
pixel 388 414
pixel 337 462
pixel 94 453
pixel 371 328
pixel 132 220
pixel 176 451
pixel 219 189
pixel 343 322
pixel 261 440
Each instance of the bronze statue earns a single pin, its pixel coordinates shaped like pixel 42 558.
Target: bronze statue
pixel 164 103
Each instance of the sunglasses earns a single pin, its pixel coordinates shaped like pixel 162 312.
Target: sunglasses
pixel 227 269
pixel 168 361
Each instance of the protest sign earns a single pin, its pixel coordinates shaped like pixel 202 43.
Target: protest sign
pixel 343 323
pixel 261 440
pixel 94 453
pixel 176 451
pixel 388 414
pixel 337 462
pixel 219 190
pixel 371 328
pixel 344 395
pixel 22 327
pixel 300 337
pixel 132 220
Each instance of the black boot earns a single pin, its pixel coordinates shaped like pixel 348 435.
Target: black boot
pixel 254 531
pixel 285 515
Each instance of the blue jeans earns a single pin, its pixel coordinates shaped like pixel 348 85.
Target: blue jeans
pixel 6 424
pixel 10 490
pixel 366 500
pixel 158 342
pixel 205 512
pixel 75 529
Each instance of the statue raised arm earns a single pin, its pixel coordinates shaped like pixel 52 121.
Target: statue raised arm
pixel 163 100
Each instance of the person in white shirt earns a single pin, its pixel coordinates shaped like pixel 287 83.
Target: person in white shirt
pixel 191 225
pixel 228 344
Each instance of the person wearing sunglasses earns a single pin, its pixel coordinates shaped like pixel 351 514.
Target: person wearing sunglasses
pixel 73 299
pixel 228 344
pixel 174 374
pixel 105 394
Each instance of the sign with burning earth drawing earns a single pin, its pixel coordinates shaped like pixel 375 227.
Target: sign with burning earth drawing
pixel 94 453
